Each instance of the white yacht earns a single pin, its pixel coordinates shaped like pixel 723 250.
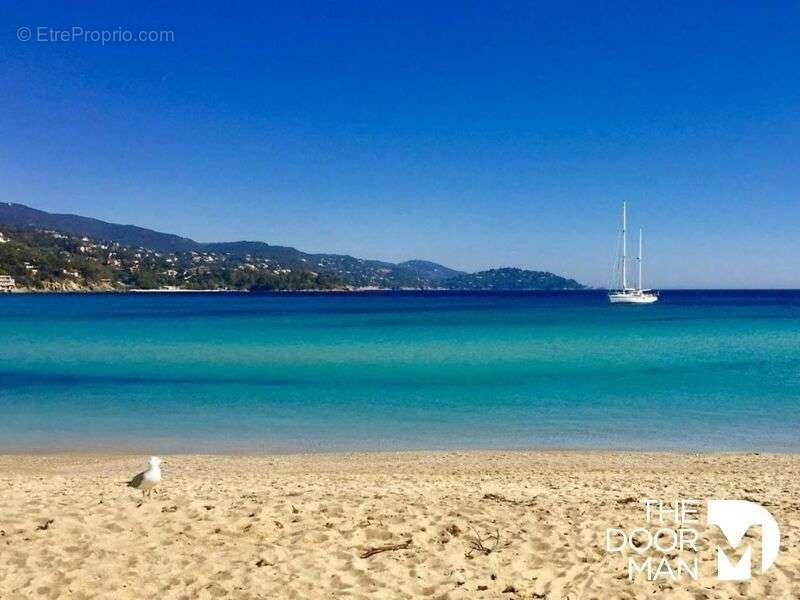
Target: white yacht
pixel 625 294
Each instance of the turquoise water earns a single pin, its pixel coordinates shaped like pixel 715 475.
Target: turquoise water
pixel 230 372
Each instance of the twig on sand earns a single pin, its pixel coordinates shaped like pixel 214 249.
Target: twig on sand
pixel 499 498
pixel 377 550
pixel 480 544
pixel 46 525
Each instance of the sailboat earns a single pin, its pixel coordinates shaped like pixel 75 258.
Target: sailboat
pixel 631 295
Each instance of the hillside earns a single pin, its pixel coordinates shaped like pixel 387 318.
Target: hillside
pixel 430 270
pixel 21 217
pixel 62 251
pixel 355 271
pixel 511 280
pixel 50 260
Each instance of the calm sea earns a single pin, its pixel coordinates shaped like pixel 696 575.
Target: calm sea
pixel 286 372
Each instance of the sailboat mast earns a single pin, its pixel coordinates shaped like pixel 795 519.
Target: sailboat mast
pixel 639 260
pixel 624 245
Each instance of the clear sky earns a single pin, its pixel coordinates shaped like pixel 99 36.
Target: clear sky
pixel 473 134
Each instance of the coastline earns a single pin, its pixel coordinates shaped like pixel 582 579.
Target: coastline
pixel 81 290
pixel 297 525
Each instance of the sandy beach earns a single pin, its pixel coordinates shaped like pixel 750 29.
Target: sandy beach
pixel 460 525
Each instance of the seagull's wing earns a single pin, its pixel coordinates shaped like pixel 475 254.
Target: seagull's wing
pixel 137 481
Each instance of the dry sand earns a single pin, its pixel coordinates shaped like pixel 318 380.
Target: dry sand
pixel 295 526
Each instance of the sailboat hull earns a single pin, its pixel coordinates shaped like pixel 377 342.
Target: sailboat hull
pixel 634 297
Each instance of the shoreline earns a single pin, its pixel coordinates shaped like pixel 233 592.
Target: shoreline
pixel 114 451
pixel 368 290
pixel 26 291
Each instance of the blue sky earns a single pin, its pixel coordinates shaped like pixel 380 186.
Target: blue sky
pixel 473 134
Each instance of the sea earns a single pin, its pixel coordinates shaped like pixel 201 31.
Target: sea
pixel 312 372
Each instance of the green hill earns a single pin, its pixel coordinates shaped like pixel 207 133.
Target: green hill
pixel 511 280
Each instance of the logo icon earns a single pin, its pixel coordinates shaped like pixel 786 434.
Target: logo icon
pixel 734 518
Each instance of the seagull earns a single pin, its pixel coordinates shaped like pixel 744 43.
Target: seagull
pixel 147 480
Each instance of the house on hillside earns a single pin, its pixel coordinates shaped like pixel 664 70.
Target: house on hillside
pixel 7 283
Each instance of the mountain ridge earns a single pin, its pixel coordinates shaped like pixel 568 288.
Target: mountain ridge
pixel 345 269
